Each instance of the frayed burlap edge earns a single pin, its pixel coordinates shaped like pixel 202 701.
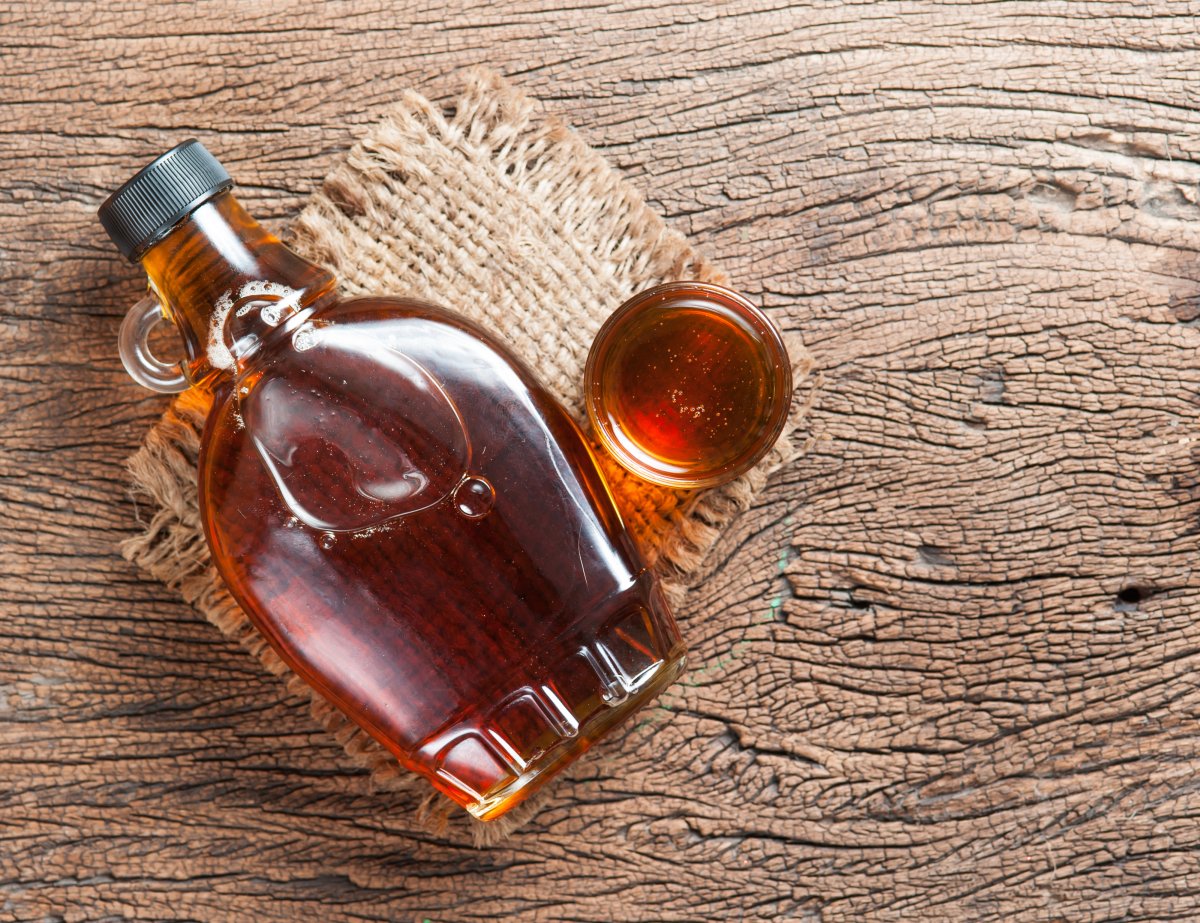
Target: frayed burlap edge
pixel 494 129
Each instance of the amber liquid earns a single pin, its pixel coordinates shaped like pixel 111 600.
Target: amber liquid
pixel 420 531
pixel 687 387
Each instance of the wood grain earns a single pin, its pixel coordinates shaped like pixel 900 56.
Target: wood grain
pixel 945 670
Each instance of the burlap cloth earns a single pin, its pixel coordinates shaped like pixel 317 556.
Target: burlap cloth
pixel 505 215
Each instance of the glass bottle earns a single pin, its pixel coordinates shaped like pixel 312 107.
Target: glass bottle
pixel 408 517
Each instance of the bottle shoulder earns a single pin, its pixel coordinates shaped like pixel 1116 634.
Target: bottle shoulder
pixel 432 334
pixel 386 306
pixel 425 353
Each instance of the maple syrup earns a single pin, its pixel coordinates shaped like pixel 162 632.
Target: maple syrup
pixel 688 384
pixel 409 518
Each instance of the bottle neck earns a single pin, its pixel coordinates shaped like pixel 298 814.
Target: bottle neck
pixel 227 284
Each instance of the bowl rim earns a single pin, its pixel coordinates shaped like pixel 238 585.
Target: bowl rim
pixel 661 296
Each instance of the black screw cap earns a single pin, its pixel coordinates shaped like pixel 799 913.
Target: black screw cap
pixel 160 195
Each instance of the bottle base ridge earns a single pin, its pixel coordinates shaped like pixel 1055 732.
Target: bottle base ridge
pixel 493 759
pixel 539 771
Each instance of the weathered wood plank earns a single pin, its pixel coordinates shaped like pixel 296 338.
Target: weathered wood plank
pixel 945 669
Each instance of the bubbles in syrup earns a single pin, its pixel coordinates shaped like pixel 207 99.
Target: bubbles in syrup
pixel 327 541
pixel 474 497
pixel 305 338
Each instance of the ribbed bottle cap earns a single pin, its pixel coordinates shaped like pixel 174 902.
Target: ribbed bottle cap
pixel 160 195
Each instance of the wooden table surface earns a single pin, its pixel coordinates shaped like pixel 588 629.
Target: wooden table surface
pixel 946 669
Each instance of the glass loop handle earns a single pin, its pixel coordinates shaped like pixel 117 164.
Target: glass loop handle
pixel 133 344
